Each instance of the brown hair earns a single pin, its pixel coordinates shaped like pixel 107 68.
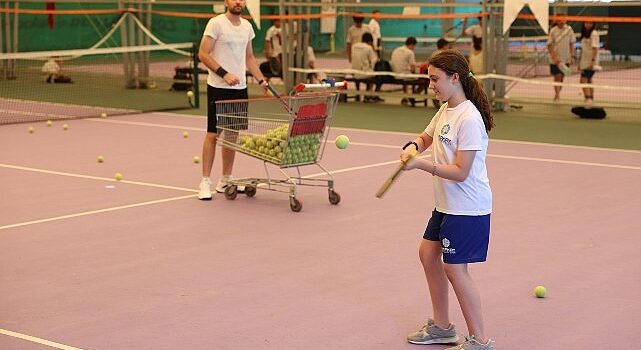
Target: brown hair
pixel 452 61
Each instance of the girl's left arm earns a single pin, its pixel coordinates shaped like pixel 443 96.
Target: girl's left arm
pixel 456 172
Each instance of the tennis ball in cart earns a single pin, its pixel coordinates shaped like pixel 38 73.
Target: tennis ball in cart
pixel 540 291
pixel 101 159
pixel 342 141
pixel 118 176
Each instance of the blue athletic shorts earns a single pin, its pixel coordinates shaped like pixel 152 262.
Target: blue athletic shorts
pixel 464 239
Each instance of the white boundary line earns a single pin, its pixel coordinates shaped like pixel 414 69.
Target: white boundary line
pixel 90 177
pixel 98 211
pixel 37 340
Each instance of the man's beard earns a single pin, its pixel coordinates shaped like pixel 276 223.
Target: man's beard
pixel 236 10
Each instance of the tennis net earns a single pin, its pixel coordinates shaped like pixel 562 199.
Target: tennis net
pixel 71 84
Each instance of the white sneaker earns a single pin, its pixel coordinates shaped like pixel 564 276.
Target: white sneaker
pixel 222 185
pixel 589 102
pixel 205 189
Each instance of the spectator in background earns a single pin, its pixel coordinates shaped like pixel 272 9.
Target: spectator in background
pixel 364 58
pixel 560 47
pixel 475 32
pixel 273 49
pixel 313 78
pixel 589 58
pixel 376 31
pixel 53 71
pixel 355 33
pixel 403 61
pixel 476 59
pixel 441 44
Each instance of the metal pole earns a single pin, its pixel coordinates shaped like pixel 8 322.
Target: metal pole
pixel 131 38
pixel 3 67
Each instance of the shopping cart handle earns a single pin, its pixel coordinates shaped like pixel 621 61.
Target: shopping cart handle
pixel 327 84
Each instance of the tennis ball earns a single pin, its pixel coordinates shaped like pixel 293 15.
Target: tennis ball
pixel 190 94
pixel 65 126
pixel 185 134
pixel 342 141
pixel 540 291
pixel 118 176
pixel 101 159
pixel 49 122
pixel 196 159
pixel 103 115
pixel 31 130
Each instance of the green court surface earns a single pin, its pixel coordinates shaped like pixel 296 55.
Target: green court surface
pixel 531 124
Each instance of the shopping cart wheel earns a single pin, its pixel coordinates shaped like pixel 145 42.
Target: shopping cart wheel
pixel 334 197
pixel 231 192
pixel 295 204
pixel 250 191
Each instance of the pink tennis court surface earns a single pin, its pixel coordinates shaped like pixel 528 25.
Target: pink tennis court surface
pixel 89 263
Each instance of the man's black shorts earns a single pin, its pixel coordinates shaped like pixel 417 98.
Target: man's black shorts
pixel 236 120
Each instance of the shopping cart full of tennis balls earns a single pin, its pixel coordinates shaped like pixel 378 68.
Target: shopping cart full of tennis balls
pixel 284 132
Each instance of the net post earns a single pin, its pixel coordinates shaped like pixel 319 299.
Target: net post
pixel 194 80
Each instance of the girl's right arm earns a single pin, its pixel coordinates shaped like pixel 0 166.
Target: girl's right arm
pixel 419 144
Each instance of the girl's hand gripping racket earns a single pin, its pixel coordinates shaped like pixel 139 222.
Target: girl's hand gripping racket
pixel 390 181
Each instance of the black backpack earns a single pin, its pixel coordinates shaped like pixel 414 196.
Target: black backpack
pixel 383 66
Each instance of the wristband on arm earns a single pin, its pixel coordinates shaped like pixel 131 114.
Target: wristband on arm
pixel 221 72
pixel 411 143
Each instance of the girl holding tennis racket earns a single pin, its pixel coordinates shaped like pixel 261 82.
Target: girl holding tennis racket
pixel 458 232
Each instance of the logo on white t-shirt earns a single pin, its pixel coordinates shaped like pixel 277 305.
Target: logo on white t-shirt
pixel 445 129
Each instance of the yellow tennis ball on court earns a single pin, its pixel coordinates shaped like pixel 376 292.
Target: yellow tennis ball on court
pixel 31 130
pixel 65 126
pixel 196 159
pixel 185 134
pixel 103 115
pixel 190 94
pixel 540 291
pixel 118 176
pixel 342 141
pixel 49 123
pixel 101 159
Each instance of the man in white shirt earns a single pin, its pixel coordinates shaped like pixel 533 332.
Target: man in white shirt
pixel 226 51
pixel 364 58
pixel 376 30
pixel 561 49
pixel 355 34
pixel 274 48
pixel 403 60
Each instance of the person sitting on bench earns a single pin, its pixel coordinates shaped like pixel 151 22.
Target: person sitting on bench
pixel 364 58
pixel 53 71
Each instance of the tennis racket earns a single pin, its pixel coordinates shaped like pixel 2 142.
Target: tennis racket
pixel 390 181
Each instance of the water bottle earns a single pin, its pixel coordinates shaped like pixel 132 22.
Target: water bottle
pixel 564 69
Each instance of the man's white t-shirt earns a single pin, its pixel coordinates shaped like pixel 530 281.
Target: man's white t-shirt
pixel 376 31
pixel 560 39
pixel 402 60
pixel 230 49
pixel 363 58
pixel 273 35
pixel 460 129
pixel 355 34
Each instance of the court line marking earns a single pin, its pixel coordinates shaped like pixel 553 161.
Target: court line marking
pixel 90 177
pixel 97 211
pixel 37 340
pixel 387 133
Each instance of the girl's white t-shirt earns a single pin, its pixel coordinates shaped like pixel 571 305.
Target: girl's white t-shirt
pixel 460 129
pixel 230 49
